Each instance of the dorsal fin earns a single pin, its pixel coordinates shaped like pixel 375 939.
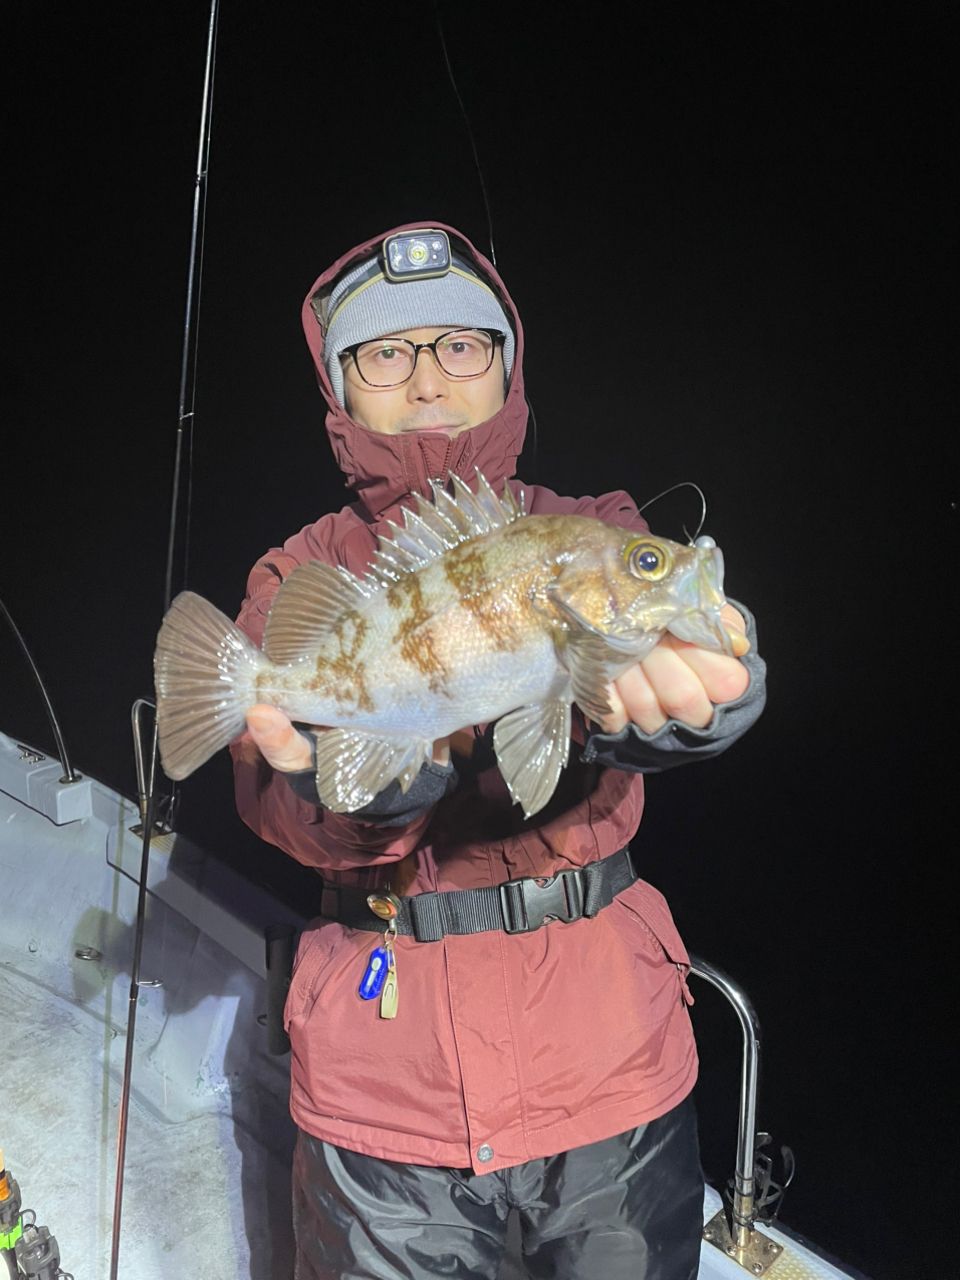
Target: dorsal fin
pixel 431 528
pixel 316 597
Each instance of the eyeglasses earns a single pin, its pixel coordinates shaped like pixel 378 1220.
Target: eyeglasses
pixel 390 362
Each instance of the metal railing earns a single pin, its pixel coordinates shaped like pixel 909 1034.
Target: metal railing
pixel 738 1237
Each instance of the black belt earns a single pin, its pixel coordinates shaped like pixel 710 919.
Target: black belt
pixel 516 906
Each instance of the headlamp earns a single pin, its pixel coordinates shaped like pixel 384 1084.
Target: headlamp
pixel 416 255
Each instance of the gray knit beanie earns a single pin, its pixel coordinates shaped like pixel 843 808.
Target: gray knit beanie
pixel 364 304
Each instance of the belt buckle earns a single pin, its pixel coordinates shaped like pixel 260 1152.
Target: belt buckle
pixel 527 904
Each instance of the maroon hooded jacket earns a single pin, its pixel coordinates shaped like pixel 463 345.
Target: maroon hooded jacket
pixel 523 1045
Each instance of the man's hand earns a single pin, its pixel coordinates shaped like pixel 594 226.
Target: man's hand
pixel 281 745
pixel 679 681
pixel 285 748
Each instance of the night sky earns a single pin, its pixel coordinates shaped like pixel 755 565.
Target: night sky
pixel 729 230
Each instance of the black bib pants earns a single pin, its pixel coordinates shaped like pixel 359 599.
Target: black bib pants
pixel 627 1208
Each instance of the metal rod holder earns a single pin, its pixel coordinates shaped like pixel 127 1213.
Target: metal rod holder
pixel 136 718
pixel 744 1190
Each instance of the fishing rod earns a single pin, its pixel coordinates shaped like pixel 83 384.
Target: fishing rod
pixel 181 500
pixel 183 449
pixel 69 773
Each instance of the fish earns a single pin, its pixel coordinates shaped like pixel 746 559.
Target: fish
pixel 471 612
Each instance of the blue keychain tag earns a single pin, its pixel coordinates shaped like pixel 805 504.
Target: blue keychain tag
pixel 374 976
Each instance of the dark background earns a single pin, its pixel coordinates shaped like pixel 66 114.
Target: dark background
pixel 729 231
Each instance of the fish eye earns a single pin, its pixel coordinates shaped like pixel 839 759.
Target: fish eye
pixel 647 560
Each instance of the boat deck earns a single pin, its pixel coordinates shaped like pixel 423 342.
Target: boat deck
pixel 209 1136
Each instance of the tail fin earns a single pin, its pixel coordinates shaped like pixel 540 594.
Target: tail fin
pixel 205 671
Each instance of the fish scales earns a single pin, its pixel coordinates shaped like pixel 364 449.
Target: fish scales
pixel 471 612
pixel 456 642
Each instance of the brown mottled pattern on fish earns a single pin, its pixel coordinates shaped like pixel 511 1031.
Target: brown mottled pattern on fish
pixel 468 572
pixel 339 670
pixel 413 637
pixel 345 674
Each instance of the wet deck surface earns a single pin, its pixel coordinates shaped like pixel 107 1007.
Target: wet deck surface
pixel 210 1138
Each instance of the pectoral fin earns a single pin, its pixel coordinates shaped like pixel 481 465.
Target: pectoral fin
pixel 532 745
pixel 353 767
pixel 594 659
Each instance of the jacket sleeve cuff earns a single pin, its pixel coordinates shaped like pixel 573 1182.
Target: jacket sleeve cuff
pixel 391 807
pixel 677 743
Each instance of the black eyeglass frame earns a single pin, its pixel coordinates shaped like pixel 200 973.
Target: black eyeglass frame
pixel 494 335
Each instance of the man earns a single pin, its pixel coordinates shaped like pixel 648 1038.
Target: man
pixel 540 1055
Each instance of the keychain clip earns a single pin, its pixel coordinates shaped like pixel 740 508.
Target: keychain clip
pixel 389 996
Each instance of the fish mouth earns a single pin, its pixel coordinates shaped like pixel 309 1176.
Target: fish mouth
pixel 701 598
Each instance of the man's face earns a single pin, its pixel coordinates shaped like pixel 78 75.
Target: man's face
pixel 431 400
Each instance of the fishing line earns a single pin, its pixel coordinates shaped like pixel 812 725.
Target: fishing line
pixel 483 190
pixel 682 484
pixel 183 460
pixel 466 121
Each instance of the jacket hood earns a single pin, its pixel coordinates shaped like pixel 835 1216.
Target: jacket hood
pixel 383 469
